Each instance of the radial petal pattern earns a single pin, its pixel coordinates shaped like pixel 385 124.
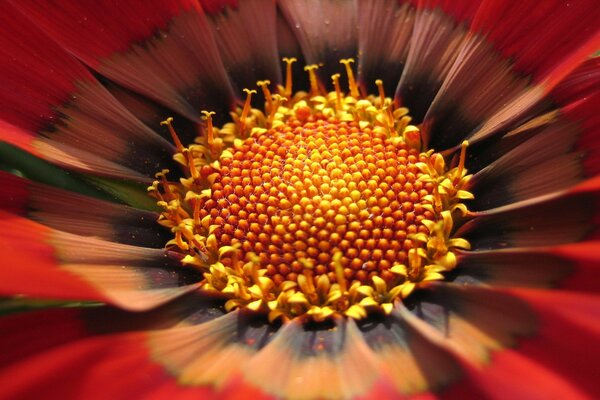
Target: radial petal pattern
pixel 86 85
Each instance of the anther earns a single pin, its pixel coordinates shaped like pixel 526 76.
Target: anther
pixel 312 76
pixel 351 82
pixel 412 136
pixel 168 123
pixel 288 76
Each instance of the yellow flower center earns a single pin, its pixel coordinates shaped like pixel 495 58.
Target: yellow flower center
pixel 323 205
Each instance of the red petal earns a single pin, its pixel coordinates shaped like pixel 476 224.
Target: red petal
pixel 78 214
pixel 565 345
pixel 45 263
pixel 29 264
pixel 540 36
pixel 163 49
pixel 326 31
pixel 51 103
pixel 585 260
pixel 246 36
pixel 383 42
pixel 60 348
pixel 579 97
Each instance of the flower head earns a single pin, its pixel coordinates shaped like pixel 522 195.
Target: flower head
pixel 405 205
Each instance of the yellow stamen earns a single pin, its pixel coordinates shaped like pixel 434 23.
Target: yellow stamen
pixel 264 85
pixel 168 124
pixel 462 159
pixel 312 76
pixel 381 91
pixel 351 82
pixel 246 110
pixel 191 166
pixel 338 91
pixel 288 76
pixel 276 103
pixel 339 272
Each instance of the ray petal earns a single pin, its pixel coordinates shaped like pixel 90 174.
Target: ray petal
pixel 326 31
pixel 384 39
pixel 162 49
pixel 246 35
pixel 50 101
pixel 304 363
pixel 100 352
pixel 45 263
pixel 563 217
pixel 79 214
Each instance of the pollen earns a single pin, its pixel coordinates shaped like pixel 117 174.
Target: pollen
pixel 322 204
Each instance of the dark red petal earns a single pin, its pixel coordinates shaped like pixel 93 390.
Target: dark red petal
pixel 78 214
pixel 44 263
pixel 161 48
pixel 383 42
pixel 56 101
pixel 29 264
pixel 326 31
pixel 585 261
pixel 478 324
pixel 559 218
pixel 540 37
pixel 544 162
pixel 433 49
pixel 58 346
pixel 565 344
pixel 573 267
pixel 246 36
pixel 579 98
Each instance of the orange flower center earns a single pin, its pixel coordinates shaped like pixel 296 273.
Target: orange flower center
pixel 309 189
pixel 324 204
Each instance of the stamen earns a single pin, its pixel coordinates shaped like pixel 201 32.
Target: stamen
pixel 462 159
pixel 210 132
pixel 351 82
pixel 276 103
pixel 264 85
pixel 246 110
pixel 379 84
pixel 288 76
pixel 168 123
pixel 338 92
pixel 191 166
pixel 312 76
pixel 339 271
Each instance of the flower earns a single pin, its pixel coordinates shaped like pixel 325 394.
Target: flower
pixel 489 296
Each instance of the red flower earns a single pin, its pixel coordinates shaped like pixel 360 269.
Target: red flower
pixel 85 85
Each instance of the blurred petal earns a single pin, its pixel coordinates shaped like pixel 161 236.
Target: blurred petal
pixel 50 102
pixel 326 31
pixel 46 263
pixel 162 49
pixel 78 214
pixel 99 351
pixel 558 218
pixel 246 36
